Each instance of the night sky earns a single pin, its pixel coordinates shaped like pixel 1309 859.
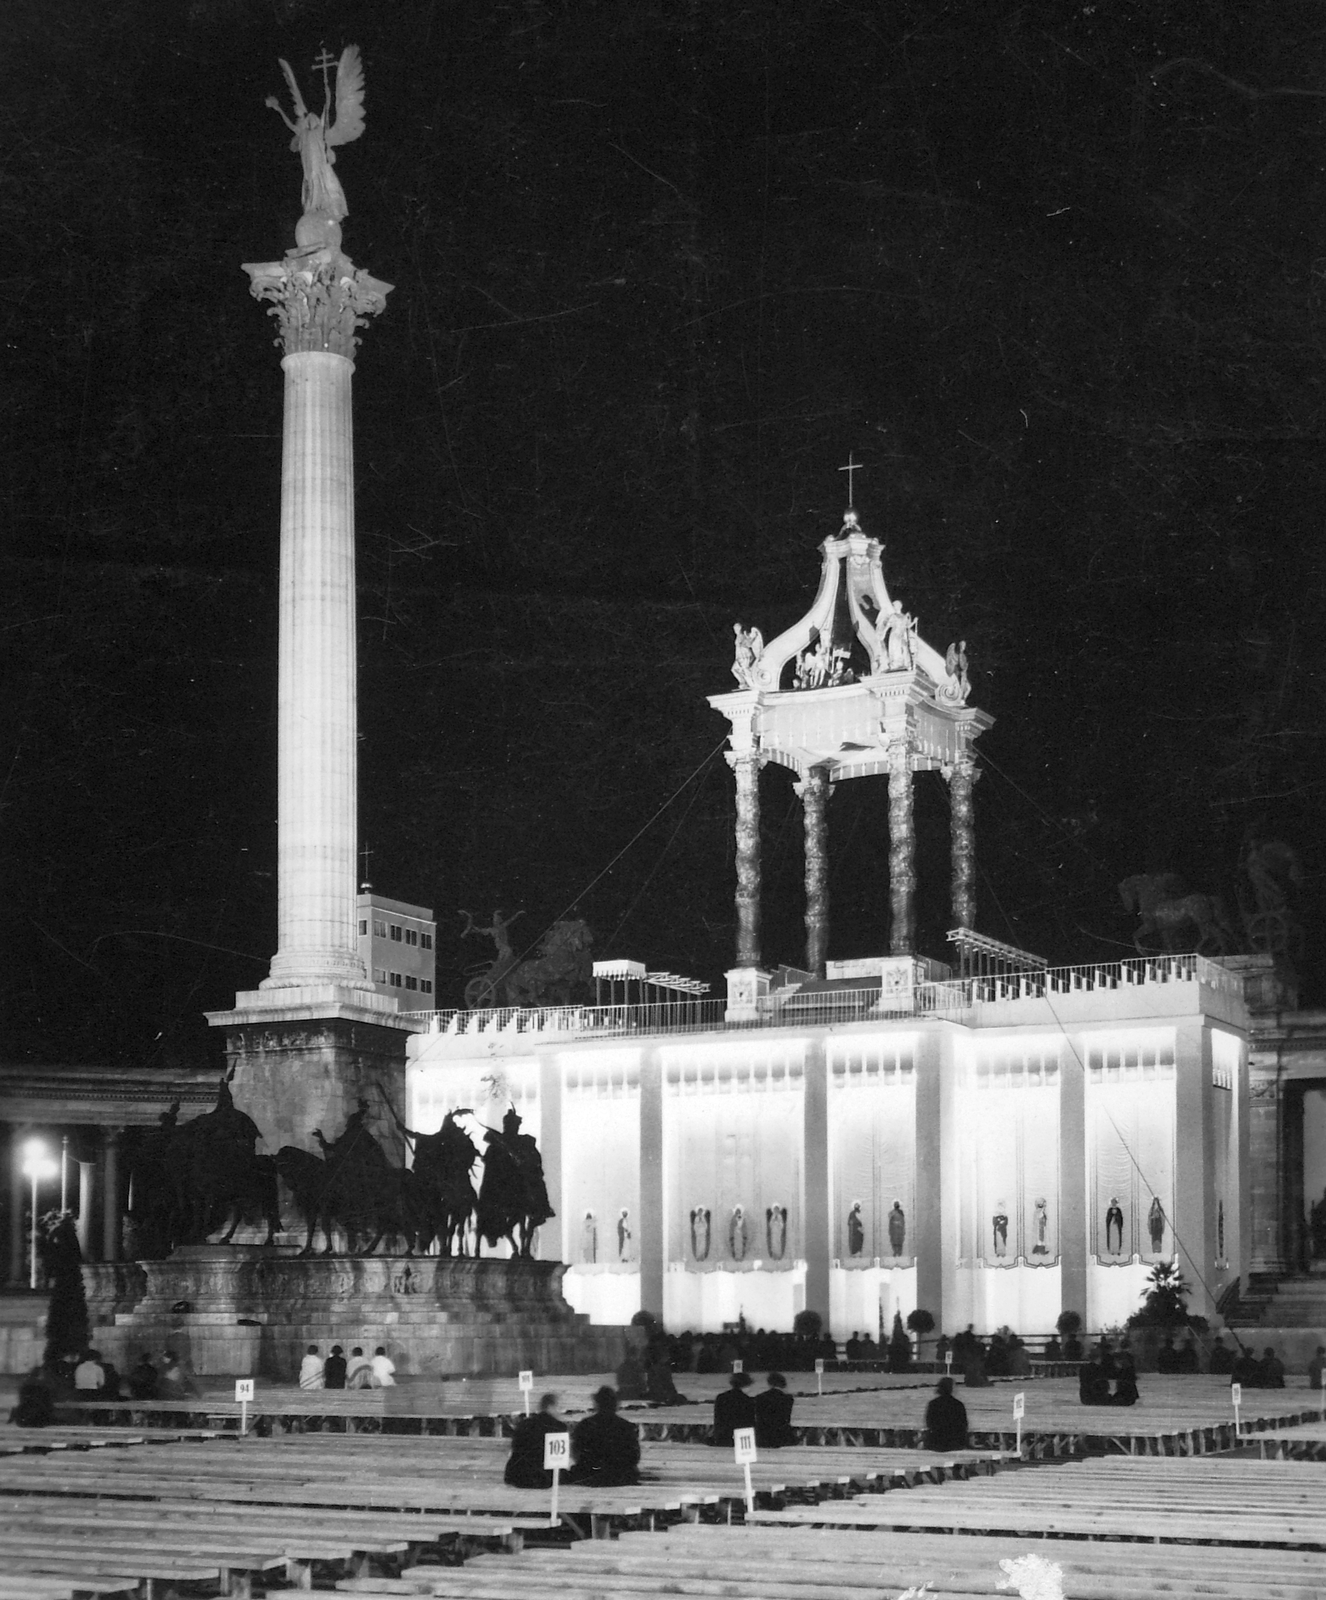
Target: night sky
pixel 1053 273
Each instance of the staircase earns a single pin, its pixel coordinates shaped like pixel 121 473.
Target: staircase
pixel 1274 1300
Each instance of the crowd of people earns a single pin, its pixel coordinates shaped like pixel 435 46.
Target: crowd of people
pixel 357 1371
pixel 92 1376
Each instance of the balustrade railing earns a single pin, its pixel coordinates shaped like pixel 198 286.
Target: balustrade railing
pixel 951 998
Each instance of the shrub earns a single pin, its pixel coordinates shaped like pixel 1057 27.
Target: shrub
pixel 1069 1324
pixel 808 1323
pixel 1165 1302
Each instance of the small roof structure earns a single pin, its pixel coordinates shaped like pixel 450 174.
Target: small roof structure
pixel 851 679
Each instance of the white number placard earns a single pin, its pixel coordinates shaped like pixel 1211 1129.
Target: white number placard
pixel 556 1451
pixel 244 1389
pixel 1019 1406
pixel 526 1380
pixel 738 1366
pixel 743 1446
pixel 1236 1395
pixel 819 1364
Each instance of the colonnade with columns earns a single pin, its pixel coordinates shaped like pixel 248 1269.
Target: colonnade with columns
pixel 95 1191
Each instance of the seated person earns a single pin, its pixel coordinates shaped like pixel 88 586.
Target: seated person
pixel 524 1467
pixel 383 1369
pixel 1186 1357
pixel 659 1386
pixel 334 1368
pixel 630 1376
pixel 1222 1357
pixel 1247 1370
pixel 142 1379
pixel 359 1372
pixel 1271 1369
pixel 733 1409
pixel 1317 1369
pixel 973 1365
pixel 854 1347
pixel 1073 1348
pixel 36 1402
pixel 110 1388
pixel 176 1381
pixel 1054 1351
pixel 89 1374
pixel 605 1447
pixel 945 1419
pixel 311 1369
pixel 773 1414
pixel 1167 1357
pixel 1093 1384
pixel 1125 1381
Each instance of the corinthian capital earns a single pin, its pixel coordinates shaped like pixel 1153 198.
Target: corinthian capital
pixel 318 297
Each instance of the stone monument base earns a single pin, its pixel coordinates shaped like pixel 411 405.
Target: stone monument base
pixel 250 1310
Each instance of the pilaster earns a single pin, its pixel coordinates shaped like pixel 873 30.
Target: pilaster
pixel 552 1235
pixel 653 1202
pixel 815 1134
pixel 111 1206
pixel 937 1175
pixel 1073 1249
pixel 1194 1190
pixel 1265 1171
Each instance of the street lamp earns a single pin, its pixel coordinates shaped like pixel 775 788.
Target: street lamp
pixel 37 1164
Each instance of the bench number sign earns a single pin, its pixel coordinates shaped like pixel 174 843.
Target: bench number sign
pixel 1236 1399
pixel 556 1459
pixel 743 1448
pixel 1019 1411
pixel 819 1374
pixel 244 1394
pixel 526 1386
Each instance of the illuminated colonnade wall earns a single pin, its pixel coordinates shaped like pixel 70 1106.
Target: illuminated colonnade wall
pixel 994 1176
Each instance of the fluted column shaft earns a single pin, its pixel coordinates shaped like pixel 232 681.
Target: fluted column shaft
pixel 962 843
pixel 317 821
pixel 902 857
pixel 747 771
pixel 815 790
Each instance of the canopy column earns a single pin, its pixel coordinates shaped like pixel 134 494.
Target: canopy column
pixel 902 851
pixel 746 767
pixel 962 776
pixel 814 790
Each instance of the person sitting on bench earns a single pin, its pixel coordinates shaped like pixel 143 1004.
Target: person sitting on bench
pixel 524 1467
pixel 773 1414
pixel 605 1447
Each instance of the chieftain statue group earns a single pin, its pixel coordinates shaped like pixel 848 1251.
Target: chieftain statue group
pixel 199 1181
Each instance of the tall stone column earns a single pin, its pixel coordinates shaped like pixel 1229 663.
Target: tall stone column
pixel 817 1241
pixel 961 777
pixel 902 852
pixel 85 1193
pixel 110 1194
pixel 746 767
pixel 18 1199
pixel 653 1231
pixel 815 790
pixel 1266 1245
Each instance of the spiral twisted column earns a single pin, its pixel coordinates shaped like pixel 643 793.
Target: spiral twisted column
pixel 902 852
pixel 815 790
pixel 746 769
pixel 962 840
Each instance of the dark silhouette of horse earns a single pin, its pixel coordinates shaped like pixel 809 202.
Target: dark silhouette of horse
pixel 513 1197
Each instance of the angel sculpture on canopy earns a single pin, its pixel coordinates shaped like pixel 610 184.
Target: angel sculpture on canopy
pixel 315 135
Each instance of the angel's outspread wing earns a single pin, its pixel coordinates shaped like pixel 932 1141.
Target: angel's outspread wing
pixel 349 122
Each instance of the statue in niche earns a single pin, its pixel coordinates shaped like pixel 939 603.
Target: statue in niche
pixel 700 1220
pixel 899 641
pixel 1041 1243
pixel 856 1230
pixel 624 1234
pixel 999 1227
pixel 1155 1223
pixel 589 1238
pixel 736 1234
pixel 750 644
pixel 822 665
pixel 775 1231
pixel 1114 1226
pixel 315 136
pixel 897 1228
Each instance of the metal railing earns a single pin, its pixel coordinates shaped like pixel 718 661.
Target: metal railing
pixel 952 998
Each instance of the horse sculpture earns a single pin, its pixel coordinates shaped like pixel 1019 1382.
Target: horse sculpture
pixel 443 1190
pixel 1174 917
pixel 513 1197
pixel 562 967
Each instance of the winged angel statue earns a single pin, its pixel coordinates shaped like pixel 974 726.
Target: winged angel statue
pixel 315 134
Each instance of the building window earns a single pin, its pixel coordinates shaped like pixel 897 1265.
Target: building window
pixel 379 929
pixel 395 980
pixel 425 941
pixel 411 982
pixel 379 974
pixel 363 926
pixel 396 932
pixel 425 985
pixel 411 937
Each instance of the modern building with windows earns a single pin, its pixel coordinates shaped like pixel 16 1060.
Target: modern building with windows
pixel 396 943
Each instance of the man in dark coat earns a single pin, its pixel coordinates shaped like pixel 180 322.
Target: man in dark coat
pixel 605 1446
pixel 945 1419
pixel 773 1414
pixel 524 1467
pixel 333 1369
pixel 1093 1383
pixel 733 1409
